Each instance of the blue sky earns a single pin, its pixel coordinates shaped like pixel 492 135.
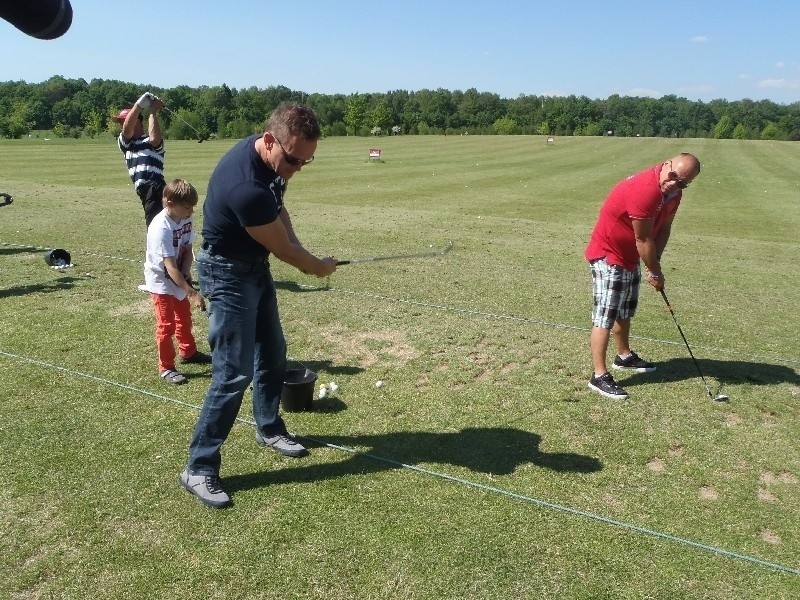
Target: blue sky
pixel 699 50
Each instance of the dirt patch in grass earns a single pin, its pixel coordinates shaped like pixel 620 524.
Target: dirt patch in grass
pixel 732 419
pixel 676 451
pixel 766 496
pixel 769 536
pixel 707 492
pixel 781 477
pixel 387 346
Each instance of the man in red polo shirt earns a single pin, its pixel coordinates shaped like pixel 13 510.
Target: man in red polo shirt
pixel 633 227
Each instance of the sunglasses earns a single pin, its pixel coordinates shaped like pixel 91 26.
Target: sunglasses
pixel 292 160
pixel 673 176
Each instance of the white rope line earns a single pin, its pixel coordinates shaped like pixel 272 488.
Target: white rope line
pixel 84 252
pixel 431 473
pixel 500 316
pixel 480 313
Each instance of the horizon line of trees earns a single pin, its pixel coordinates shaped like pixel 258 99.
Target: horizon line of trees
pixel 75 108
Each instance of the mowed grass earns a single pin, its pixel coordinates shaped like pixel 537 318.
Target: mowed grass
pixel 483 468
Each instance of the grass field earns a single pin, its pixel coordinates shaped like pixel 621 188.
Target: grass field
pixel 483 468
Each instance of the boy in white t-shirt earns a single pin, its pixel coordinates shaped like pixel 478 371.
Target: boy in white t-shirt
pixel 166 274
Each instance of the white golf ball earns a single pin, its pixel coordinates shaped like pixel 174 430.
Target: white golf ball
pixel 333 387
pixel 323 391
pixel 379 384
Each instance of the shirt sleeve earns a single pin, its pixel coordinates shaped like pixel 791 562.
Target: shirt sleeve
pixel 254 204
pixel 643 205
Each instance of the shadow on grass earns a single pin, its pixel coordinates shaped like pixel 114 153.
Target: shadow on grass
pixel 326 366
pixel 293 286
pixel 725 372
pixel 62 283
pixel 498 451
pixel 11 250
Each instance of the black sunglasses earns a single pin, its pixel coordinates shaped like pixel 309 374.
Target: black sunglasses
pixel 673 176
pixel 292 160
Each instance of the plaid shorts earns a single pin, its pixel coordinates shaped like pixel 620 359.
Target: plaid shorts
pixel 615 291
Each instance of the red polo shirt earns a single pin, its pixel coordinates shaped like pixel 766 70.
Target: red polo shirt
pixel 637 197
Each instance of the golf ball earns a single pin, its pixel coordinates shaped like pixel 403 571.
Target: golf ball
pixel 323 391
pixel 379 384
pixel 333 387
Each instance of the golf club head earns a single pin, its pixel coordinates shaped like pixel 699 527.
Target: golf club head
pixel 720 397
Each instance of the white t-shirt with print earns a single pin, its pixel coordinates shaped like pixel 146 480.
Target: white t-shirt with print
pixel 165 238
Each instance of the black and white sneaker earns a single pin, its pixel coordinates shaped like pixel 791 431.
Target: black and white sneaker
pixel 606 386
pixel 633 363
pixel 207 489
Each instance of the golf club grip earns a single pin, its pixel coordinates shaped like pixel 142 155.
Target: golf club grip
pixel 342 262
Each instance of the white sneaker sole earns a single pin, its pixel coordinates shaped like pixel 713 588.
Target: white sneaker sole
pixel 633 369
pixel 596 389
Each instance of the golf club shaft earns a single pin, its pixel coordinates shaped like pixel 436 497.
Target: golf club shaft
pixel 685 341
pixel 357 261
pixel 184 121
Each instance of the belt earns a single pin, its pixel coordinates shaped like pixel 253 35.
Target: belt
pixel 248 258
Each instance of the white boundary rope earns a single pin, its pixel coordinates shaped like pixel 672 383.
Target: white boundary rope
pixel 458 480
pixel 468 311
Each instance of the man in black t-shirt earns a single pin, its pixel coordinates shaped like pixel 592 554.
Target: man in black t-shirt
pixel 244 221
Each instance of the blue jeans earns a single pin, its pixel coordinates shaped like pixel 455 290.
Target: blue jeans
pixel 247 345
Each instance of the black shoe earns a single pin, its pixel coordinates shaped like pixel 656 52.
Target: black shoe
pixel 198 358
pixel 633 363
pixel 207 489
pixel 282 444
pixel 606 386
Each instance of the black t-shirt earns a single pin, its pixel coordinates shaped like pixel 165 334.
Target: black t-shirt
pixel 242 192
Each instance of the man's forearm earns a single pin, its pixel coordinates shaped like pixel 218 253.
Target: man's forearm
pixel 648 252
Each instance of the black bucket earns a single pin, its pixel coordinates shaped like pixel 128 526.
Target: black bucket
pixel 298 389
pixel 57 258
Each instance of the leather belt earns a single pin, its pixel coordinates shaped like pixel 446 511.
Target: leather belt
pixel 214 251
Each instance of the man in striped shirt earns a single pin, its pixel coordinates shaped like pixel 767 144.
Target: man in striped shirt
pixel 144 153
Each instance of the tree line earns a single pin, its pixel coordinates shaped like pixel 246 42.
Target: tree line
pixel 75 108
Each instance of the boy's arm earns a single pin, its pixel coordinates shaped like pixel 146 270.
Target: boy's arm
pixel 178 279
pixel 185 266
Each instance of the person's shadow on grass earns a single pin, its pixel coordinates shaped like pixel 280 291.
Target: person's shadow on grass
pixel 326 366
pixel 490 450
pixel 10 250
pixel 62 283
pixel 725 372
pixel 293 286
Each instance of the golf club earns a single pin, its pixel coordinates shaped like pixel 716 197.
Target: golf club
pixel 185 122
pixel 358 261
pixel 718 397
pixel 6 199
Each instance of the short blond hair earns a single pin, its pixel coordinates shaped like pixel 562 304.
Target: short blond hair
pixel 180 191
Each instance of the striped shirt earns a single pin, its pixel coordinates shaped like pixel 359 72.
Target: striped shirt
pixel 145 163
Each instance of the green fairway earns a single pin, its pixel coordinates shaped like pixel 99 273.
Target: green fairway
pixel 483 468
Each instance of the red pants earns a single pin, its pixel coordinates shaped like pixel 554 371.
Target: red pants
pixel 173 318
